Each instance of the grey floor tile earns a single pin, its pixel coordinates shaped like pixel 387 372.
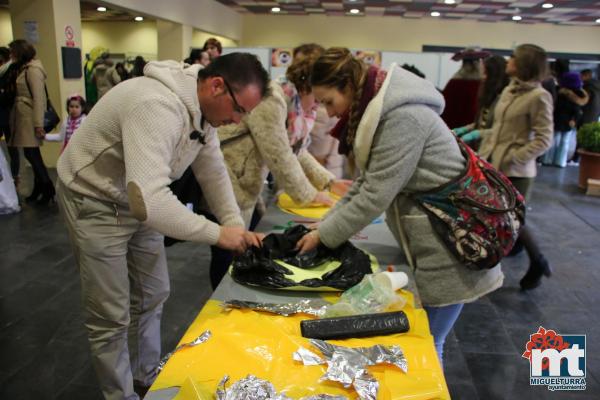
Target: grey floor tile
pixel 479 329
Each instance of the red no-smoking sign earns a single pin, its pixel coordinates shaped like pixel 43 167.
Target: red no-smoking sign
pixel 69 34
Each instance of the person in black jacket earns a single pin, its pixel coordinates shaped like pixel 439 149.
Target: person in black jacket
pixel 571 97
pixel 591 111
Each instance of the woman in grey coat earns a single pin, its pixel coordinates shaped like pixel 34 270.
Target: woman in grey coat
pixel 390 127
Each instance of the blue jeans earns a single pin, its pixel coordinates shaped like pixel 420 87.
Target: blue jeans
pixel 441 321
pixel 562 149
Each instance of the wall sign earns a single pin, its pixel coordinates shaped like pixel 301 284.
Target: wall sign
pixel 32 34
pixel 69 35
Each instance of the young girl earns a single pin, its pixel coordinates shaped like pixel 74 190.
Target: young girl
pixel 390 125
pixel 76 109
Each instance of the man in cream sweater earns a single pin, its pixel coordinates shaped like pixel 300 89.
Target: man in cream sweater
pixel 114 195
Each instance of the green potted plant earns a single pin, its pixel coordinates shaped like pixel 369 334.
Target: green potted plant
pixel 588 139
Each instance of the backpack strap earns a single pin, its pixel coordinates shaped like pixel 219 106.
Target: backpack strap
pixel 232 139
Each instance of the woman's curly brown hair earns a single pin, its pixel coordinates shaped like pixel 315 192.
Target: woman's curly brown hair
pixel 299 71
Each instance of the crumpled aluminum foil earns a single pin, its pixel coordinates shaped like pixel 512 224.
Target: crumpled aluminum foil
pixel 307 357
pixel 200 339
pixel 248 388
pixel 306 306
pixel 349 365
pixel 253 388
pixel 366 386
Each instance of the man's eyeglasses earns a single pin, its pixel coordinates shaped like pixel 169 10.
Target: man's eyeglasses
pixel 236 106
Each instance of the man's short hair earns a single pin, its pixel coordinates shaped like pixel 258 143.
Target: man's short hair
pixel 239 70
pixel 586 71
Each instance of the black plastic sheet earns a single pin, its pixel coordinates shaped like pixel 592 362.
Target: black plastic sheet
pixel 257 266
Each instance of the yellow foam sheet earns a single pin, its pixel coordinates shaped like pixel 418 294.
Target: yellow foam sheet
pixel 316 211
pixel 248 342
pixel 300 274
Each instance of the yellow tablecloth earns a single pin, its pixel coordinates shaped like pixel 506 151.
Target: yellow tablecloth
pixel 316 211
pixel 247 342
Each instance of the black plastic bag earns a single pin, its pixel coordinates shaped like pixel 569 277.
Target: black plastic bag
pixel 257 266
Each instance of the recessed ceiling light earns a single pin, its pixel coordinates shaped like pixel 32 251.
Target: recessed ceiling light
pixel 102 9
pixel 354 11
pixel 435 14
pixel 517 18
pixel 450 1
pixel 275 9
pixel 547 5
pixel 138 19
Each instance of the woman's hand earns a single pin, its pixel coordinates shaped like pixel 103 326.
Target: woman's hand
pixel 340 187
pixel 308 242
pixel 39 132
pixel 323 198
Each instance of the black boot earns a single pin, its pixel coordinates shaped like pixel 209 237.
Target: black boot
pixel 47 195
pixel 37 191
pixel 533 277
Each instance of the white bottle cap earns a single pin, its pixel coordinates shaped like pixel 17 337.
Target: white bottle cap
pixel 397 279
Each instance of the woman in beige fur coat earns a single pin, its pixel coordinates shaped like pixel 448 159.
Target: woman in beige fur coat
pixel 260 144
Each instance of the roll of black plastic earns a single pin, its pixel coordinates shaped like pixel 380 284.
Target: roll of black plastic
pixel 355 326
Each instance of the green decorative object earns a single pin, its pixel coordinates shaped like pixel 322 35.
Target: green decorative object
pixel 588 137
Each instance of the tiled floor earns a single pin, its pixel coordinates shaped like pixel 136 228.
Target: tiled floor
pixel 43 348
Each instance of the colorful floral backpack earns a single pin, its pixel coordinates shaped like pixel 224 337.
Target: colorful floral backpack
pixel 478 215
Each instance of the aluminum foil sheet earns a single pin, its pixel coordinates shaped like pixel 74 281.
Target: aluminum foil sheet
pixel 307 357
pixel 311 307
pixel 349 365
pixel 253 388
pixel 366 386
pixel 200 339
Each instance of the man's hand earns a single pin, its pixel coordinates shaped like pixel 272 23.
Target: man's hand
pixel 232 238
pixel 340 186
pixel 308 242
pixel 40 133
pixel 254 239
pixel 323 198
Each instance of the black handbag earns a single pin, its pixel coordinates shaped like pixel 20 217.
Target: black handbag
pixel 51 118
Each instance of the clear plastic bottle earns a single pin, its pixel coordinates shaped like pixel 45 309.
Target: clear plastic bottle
pixel 374 294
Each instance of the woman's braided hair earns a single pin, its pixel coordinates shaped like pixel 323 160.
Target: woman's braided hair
pixel 338 68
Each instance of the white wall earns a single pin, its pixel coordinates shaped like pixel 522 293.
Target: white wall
pixel 6 35
pixel 131 38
